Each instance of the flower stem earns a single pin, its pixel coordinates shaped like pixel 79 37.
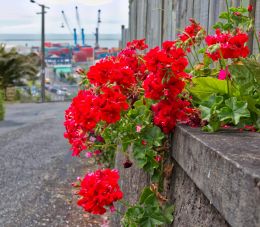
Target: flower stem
pixel 228 11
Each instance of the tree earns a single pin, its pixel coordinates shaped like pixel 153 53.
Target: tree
pixel 15 67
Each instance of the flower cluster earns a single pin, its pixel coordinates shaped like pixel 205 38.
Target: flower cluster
pixel 87 110
pixel 226 45
pixel 113 82
pixel 164 83
pixel 191 33
pixel 98 190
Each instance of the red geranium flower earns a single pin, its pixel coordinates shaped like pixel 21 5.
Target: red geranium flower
pixel 137 44
pixel 190 32
pixel 250 8
pixel 230 46
pixel 98 190
pixel 111 103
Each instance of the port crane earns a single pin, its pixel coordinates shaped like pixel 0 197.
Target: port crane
pixel 74 32
pixel 74 29
pixel 80 28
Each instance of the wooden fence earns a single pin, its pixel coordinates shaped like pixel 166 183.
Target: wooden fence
pixel 159 20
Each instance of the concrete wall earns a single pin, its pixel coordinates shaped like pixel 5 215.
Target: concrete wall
pixel 215 180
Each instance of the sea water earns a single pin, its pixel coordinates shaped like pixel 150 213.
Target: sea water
pixel 105 40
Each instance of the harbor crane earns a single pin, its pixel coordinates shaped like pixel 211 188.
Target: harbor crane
pixel 68 27
pixel 80 28
pixel 74 29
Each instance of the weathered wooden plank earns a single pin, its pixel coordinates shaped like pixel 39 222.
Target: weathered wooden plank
pixel 177 11
pixel 132 20
pixel 158 20
pixel 141 19
pixel 167 20
pixel 154 23
pixel 204 14
pixel 190 9
pixel 197 9
pixel 257 25
pixel 214 7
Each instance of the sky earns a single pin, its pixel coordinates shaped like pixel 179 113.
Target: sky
pixel 19 16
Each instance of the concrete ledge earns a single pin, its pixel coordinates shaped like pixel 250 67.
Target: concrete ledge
pixel 225 166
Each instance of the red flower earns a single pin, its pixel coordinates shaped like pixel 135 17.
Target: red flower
pixel 110 70
pixel 158 158
pixel 111 103
pixel 98 190
pixel 250 8
pixel 238 14
pixel 190 32
pixel 153 86
pixel 168 112
pixel 229 45
pixel 144 142
pixel 81 117
pixel 137 44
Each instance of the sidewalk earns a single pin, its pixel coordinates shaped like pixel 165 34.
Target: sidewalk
pixel 36 169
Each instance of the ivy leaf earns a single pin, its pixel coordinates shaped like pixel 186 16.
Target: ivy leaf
pixel 234 110
pixel 203 87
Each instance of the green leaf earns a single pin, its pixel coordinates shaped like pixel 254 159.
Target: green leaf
pixel 146 192
pixel 234 110
pixel 243 78
pixel 218 25
pixel 168 213
pixel 208 107
pixel 134 212
pixel 204 87
pixel 149 199
pixel 223 15
pixel 205 112
pixel 152 219
pixel 213 126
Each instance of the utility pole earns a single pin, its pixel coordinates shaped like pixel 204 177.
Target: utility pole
pixel 43 7
pixel 97 30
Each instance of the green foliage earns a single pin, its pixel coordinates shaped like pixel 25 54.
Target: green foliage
pixel 148 212
pixel 144 143
pixel 235 17
pixel 2 109
pixel 216 111
pixel 14 67
pixel 203 87
pixel 233 110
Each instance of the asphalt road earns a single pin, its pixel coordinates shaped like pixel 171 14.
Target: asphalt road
pixel 36 169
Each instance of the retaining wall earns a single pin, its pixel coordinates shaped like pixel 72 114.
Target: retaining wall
pixel 215 180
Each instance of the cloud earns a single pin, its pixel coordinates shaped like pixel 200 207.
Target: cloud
pixel 19 28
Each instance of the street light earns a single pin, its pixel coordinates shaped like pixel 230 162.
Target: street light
pixel 43 7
